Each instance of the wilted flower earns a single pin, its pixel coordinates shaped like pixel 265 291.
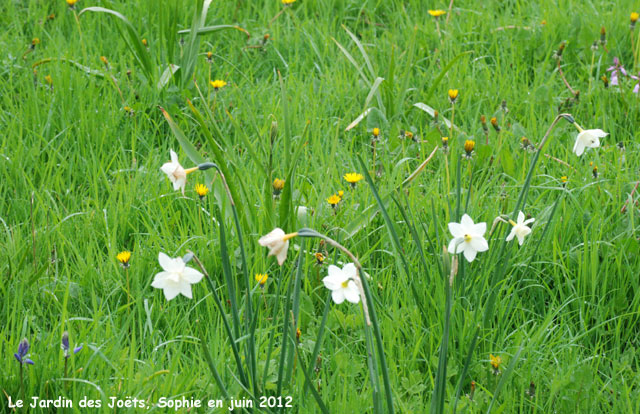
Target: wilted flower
pixel 353 178
pixel 319 258
pixel 176 277
pixel 605 81
pixel 468 238
pixel 124 257
pixel 144 42
pixel 589 138
pixel 342 283
pixel 278 243
pixel 525 144
pixel 217 84
pixel 520 229
pixel 23 351
pixel 209 57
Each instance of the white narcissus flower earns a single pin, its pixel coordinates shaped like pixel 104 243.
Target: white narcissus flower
pixel 468 238
pixel 520 229
pixel 176 173
pixel 341 283
pixel 589 138
pixel 278 243
pixel 176 278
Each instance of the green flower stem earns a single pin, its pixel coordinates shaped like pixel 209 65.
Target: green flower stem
pixel 369 312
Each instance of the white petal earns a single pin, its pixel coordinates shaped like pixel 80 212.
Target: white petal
pixel 470 254
pixel 511 235
pixel 174 157
pixel 166 263
pixel 191 275
pixel 452 245
pixel 160 279
pixel 479 244
pixel 456 229
pixel 466 222
pixel 349 271
pixel 185 289
pixel 171 291
pixel 520 217
pixel 479 229
pixel 520 238
pixel 335 273
pixel 337 296
pixel 331 283
pixel 531 220
pixel 281 255
pixel 168 168
pixel 274 236
pixel 578 147
pixel 351 293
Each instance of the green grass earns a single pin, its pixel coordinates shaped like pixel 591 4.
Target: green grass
pixel 80 181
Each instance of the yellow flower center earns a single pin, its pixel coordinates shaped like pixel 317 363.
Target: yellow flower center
pixel 467 238
pixel 345 284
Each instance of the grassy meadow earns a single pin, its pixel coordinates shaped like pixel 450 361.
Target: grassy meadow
pixel 92 102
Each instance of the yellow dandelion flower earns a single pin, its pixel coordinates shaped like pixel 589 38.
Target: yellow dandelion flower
pixel 278 185
pixel 262 278
pixel 48 79
pixel 494 123
pixel 288 2
pixel 209 56
pixel 333 200
pixel 124 257
pixel 469 145
pixel 564 180
pixel 35 41
pixel 453 95
pixel 634 17
pixel 144 42
pixel 436 13
pixel 298 333
pixel 71 3
pixel 202 190
pixel 340 193
pixel 217 84
pixel 495 361
pixel 353 178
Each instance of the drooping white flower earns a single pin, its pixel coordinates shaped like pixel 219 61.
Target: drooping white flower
pixel 175 172
pixel 342 283
pixel 278 243
pixel 176 278
pixel 520 229
pixel 468 238
pixel 589 138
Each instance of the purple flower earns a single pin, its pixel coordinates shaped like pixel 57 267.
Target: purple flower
pixel 615 69
pixel 23 350
pixel 65 345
